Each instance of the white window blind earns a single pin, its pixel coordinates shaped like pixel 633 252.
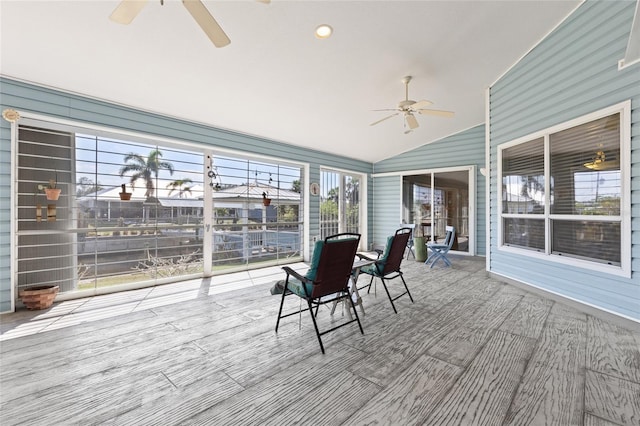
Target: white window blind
pixel 581 215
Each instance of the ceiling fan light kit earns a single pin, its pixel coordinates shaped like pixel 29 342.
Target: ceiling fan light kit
pixel 409 107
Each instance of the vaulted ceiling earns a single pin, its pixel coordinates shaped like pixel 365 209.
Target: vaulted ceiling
pixel 275 79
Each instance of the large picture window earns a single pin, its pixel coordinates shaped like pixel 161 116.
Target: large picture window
pixel 564 191
pixel 134 211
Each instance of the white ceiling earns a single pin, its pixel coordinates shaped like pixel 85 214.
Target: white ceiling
pixel 275 79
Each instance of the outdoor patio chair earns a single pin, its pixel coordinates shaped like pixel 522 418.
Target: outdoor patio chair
pixel 326 281
pixel 387 265
pixel 439 251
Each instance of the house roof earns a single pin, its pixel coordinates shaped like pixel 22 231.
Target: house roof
pixel 275 79
pixel 232 194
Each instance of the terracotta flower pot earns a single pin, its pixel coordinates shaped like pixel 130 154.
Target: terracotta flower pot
pixel 52 193
pixel 266 201
pixel 125 196
pixel 40 297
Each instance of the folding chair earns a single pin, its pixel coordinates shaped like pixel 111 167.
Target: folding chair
pixel 387 266
pixel 326 281
pixel 439 251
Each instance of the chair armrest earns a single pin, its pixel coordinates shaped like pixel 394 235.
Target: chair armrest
pixel 290 271
pixel 365 257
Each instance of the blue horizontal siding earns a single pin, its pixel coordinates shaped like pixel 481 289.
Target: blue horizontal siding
pixel 573 72
pixel 387 202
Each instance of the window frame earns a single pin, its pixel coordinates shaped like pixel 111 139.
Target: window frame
pixel 58 124
pixel 624 269
pixel 362 201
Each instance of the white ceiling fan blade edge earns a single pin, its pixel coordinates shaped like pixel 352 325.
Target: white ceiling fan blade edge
pixel 127 10
pixel 386 118
pixel 209 25
pixel 421 104
pixel 439 113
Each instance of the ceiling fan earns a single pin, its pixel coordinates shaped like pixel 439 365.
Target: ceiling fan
pixel 408 108
pixel 127 10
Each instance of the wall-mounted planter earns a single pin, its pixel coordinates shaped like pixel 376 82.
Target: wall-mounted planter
pixel 52 193
pixel 40 297
pixel 266 201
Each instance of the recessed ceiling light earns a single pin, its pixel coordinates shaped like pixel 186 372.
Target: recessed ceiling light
pixel 323 31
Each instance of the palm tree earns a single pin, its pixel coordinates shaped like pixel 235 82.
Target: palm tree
pixel 180 186
pixel 145 169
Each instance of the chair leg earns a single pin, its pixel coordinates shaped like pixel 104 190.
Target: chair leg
pixel 389 295
pixel 284 292
pixel 369 286
pixel 407 288
pixel 315 325
pixel 354 311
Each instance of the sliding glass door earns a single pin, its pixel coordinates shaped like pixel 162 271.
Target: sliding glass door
pixel 433 201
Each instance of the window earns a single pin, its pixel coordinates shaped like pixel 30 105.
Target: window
pixel 93 237
pixel 564 191
pixel 339 203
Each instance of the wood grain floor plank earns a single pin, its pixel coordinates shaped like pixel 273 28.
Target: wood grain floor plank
pixel 266 399
pixel 483 393
pixel 408 399
pixel 590 420
pixel 552 389
pixel 548 396
pixel 612 350
pixel 611 398
pixel 179 405
pixel 70 379
pixel 404 348
pixel 319 407
pixel 528 318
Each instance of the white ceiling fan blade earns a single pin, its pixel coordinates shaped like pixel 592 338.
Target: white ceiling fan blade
pixel 439 113
pixel 412 122
pixel 388 109
pixel 421 104
pixel 386 118
pixel 209 25
pixel 127 10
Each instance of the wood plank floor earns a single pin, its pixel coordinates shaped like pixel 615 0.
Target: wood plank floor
pixel 470 350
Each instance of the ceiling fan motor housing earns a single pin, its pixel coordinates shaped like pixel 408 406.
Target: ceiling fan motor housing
pixel 405 105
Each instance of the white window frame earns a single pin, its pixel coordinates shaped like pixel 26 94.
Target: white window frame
pixel 363 217
pixel 624 269
pixel 28 118
pixel 471 170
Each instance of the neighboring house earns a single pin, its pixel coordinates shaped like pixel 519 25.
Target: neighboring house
pixel 543 103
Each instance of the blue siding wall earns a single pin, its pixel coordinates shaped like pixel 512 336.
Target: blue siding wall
pixel 466 148
pixel 28 97
pixel 572 72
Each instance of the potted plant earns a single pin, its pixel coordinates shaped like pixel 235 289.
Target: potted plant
pixel 51 190
pixel 265 199
pixel 419 241
pixel 38 297
pixel 124 195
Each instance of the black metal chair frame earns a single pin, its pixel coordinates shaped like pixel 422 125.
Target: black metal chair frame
pixel 331 282
pixel 391 268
